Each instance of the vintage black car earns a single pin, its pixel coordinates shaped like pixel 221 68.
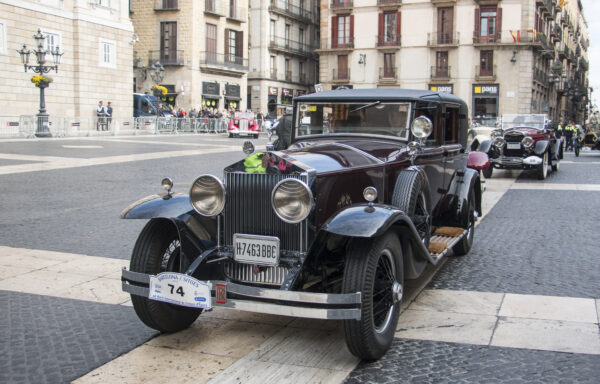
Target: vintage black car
pixel 373 188
pixel 523 142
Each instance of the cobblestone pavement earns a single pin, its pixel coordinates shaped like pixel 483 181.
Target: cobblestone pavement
pixel 419 361
pixel 51 340
pixel 526 245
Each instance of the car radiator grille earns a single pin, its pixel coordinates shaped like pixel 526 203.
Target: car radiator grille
pixel 248 210
pixel 252 274
pixel 243 125
pixel 513 139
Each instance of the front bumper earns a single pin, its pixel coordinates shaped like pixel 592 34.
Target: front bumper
pixel 328 306
pixel 516 162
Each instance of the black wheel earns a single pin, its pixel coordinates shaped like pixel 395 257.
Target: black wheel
pixel 487 173
pixel 158 250
pixel 230 135
pixel 542 170
pixel 374 267
pixel 411 195
pixel 556 166
pixel 464 245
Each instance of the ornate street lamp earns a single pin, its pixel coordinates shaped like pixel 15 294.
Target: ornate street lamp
pixel 41 81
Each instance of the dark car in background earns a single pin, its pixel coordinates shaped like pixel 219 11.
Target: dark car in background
pixel 524 142
pixel 373 186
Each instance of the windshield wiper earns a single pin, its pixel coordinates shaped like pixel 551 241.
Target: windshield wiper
pixel 366 106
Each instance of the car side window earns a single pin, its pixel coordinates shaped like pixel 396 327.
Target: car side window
pixel 451 126
pixel 145 106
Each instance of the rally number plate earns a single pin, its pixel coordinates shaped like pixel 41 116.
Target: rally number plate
pixel 176 288
pixel 252 249
pixel 513 145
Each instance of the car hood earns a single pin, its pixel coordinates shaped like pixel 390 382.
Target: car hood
pixel 324 156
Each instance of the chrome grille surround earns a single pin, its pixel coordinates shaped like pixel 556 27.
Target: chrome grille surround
pixel 246 273
pixel 248 210
pixel 516 137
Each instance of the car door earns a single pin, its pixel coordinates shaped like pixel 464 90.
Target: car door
pixel 453 151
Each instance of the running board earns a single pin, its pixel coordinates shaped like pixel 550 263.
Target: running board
pixel 441 244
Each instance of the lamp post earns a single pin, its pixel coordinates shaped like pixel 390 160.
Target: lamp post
pixel 42 82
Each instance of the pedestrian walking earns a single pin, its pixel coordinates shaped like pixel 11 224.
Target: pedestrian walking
pixel 260 118
pixel 569 131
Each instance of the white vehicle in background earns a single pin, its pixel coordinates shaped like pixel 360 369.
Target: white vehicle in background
pixel 480 130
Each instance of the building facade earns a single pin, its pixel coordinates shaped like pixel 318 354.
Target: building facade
pixel 495 54
pixel 96 38
pixel 202 46
pixel 283 37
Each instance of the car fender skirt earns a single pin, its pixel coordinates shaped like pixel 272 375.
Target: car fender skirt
pixel 541 147
pixel 155 206
pixel 365 220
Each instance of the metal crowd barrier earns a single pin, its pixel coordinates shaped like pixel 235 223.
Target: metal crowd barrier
pixel 26 126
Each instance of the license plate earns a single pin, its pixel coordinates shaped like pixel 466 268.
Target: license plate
pixel 513 145
pixel 252 249
pixel 176 288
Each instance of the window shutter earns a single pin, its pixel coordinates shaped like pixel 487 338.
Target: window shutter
pixel 226 43
pixel 334 31
pixel 380 37
pixel 498 24
pixel 477 23
pixel 351 41
pixel 238 45
pixel 398 26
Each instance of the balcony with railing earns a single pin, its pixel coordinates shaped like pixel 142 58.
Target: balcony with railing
pixel 341 43
pixel 286 8
pixel 438 39
pixel 214 8
pixel 556 33
pixel 388 75
pixel 341 5
pixel 166 57
pixel 288 76
pixel 166 5
pixel 293 47
pixel 340 75
pixel 484 73
pixel 541 76
pixel 440 72
pixel 483 40
pixel 387 40
pixel 237 14
pixel 389 2
pixel 218 62
pixel 273 74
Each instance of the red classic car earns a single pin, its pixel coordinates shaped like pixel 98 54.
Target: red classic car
pixel 243 123
pixel 523 142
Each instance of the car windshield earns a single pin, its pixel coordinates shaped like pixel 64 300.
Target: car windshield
pixel 523 120
pixel 375 117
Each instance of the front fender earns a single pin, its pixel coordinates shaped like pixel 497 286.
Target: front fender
pixel 156 206
pixel 541 147
pixel 485 146
pixel 362 220
pixel 454 208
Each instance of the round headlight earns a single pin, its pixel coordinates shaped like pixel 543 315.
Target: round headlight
pixel 499 142
pixel 370 194
pixel 167 183
pixel 527 141
pixel 495 134
pixel 421 127
pixel 292 200
pixel 207 195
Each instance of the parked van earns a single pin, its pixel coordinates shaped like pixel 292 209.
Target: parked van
pixel 148 105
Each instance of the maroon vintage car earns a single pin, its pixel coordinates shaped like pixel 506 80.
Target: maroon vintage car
pixel 524 142
pixel 362 190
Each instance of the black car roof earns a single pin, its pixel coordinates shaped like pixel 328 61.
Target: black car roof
pixel 381 94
